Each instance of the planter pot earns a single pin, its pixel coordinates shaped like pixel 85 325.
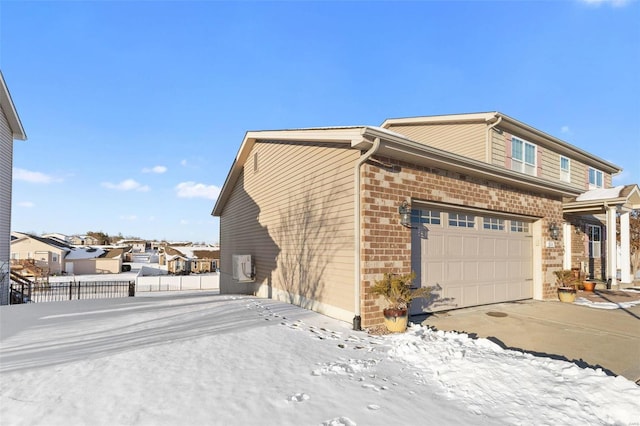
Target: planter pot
pixel 396 320
pixel 588 285
pixel 567 294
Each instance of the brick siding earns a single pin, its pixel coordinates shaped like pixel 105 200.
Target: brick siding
pixel 386 245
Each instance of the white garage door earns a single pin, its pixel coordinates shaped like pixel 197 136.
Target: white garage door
pixel 470 259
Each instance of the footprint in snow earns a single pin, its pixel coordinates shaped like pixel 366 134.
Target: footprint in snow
pixel 298 397
pixel 339 421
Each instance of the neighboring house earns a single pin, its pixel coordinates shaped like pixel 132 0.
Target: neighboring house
pixel 10 130
pixel 47 253
pixel 186 260
pixel 84 240
pixel 50 256
pixel 57 236
pixel 137 246
pixel 490 206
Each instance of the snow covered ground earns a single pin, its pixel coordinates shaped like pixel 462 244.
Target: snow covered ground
pixel 208 359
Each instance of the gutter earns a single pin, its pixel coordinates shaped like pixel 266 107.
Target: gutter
pixel 488 139
pixel 357 319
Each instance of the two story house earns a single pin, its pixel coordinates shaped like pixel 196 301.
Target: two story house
pixel 482 207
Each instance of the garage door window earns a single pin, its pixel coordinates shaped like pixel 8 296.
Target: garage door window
pixel 493 223
pixel 425 217
pixel 459 220
pixel 519 226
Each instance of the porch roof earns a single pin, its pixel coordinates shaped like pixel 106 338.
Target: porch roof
pixel 626 197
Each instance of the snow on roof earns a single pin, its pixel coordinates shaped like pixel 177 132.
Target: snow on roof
pixel 600 194
pixel 195 252
pixel 84 253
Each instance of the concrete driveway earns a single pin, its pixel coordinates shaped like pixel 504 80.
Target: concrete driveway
pixel 589 337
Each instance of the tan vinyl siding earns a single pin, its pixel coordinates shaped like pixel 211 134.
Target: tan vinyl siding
pixel 301 235
pixel 6 160
pixel 550 164
pixel 467 139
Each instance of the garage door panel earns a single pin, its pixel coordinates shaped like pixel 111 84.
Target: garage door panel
pixel 486 294
pixel 434 244
pixel 502 247
pixel 486 271
pixel 453 245
pixel 470 271
pixel 453 271
pixel 488 246
pixel 470 246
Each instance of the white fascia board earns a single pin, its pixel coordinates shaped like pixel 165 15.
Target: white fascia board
pixel 442 119
pixel 10 111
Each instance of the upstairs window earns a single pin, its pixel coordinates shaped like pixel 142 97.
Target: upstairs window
pixel 565 169
pixel 523 156
pixel 595 178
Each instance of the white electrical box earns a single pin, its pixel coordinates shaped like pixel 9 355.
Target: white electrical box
pixel 243 268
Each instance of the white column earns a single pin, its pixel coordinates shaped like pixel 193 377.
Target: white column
pixel 566 237
pixel 625 246
pixel 612 252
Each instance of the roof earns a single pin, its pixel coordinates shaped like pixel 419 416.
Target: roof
pixel 510 124
pixel 625 197
pixel 9 109
pixel 196 252
pixel 393 145
pixel 49 241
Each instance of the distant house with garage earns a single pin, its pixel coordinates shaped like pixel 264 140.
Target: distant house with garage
pixel 43 256
pixel 190 259
pixel 482 207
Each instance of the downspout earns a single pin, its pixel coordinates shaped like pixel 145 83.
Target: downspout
pixel 357 320
pixel 487 140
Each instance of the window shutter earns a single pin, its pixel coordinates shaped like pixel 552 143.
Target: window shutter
pixel 586 177
pixel 507 154
pixel 539 171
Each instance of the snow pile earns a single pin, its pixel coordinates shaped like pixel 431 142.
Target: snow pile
pixel 194 359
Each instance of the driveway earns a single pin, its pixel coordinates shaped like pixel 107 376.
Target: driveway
pixel 598 338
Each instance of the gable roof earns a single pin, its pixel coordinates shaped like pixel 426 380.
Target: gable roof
pixel 393 145
pixel 509 124
pixel 54 242
pixel 10 112
pixel 625 196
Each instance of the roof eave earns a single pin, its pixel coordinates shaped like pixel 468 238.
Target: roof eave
pixel 10 111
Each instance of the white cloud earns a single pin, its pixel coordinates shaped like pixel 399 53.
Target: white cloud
pixel 184 222
pixel 126 185
pixel 565 130
pixel 197 190
pixel 183 163
pixel 129 218
pixel 614 3
pixel 155 169
pixel 33 177
pixel 28 204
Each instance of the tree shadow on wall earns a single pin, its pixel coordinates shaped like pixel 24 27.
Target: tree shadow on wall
pixel 307 235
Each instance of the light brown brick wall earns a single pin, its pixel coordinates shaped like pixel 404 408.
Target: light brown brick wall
pixel 386 245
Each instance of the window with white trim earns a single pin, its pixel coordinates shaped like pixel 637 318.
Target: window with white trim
pixel 425 216
pixel 565 169
pixel 595 178
pixel 523 156
pixel 461 220
pixel 519 226
pixel 493 223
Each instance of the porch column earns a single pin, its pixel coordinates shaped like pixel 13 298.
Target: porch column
pixel 612 246
pixel 566 238
pixel 625 246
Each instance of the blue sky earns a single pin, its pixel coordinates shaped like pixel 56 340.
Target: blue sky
pixel 135 110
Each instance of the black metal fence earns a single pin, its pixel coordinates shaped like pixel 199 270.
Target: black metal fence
pixel 74 290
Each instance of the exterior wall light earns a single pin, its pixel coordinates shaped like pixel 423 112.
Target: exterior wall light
pixel 554 231
pixel 405 214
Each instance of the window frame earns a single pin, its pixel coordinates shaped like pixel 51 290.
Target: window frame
pixel 593 242
pixel 426 216
pixel 565 174
pixel 491 223
pixel 461 220
pixel 596 173
pixel 521 164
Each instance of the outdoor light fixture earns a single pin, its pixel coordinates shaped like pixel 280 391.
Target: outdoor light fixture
pixel 554 231
pixel 405 214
